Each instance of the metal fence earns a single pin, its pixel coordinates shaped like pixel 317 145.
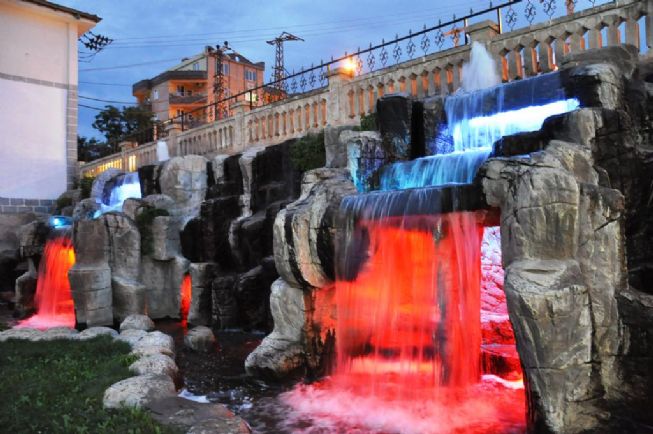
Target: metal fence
pixel 510 15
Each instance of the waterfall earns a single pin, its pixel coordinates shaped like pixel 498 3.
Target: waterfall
pixel 423 340
pixel 122 187
pixel 53 300
pixel 162 153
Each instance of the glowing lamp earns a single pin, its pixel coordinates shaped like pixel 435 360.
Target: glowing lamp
pixel 349 66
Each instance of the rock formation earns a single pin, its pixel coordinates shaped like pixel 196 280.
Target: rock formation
pixel 304 234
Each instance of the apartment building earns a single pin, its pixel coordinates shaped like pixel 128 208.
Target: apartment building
pixel 188 86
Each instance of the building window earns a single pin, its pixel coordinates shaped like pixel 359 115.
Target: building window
pixel 182 91
pixel 250 75
pixel 196 66
pixel 225 68
pixel 251 97
pixel 156 93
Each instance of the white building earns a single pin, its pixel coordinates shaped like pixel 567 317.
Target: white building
pixel 38 101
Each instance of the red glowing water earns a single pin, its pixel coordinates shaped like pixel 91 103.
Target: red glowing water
pixel 186 294
pixel 53 300
pixel 411 354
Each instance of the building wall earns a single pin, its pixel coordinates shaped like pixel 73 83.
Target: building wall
pixel 38 113
pixel 160 105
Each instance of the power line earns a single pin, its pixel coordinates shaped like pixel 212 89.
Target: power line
pixel 106 68
pixel 104 84
pixel 364 20
pixel 107 100
pixel 90 107
pixel 148 42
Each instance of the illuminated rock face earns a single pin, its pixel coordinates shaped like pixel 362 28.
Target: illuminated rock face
pixel 573 220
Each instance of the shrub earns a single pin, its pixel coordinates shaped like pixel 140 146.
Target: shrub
pixel 308 152
pixel 85 185
pixel 368 123
pixel 63 201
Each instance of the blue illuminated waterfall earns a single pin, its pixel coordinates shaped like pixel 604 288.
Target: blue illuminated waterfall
pixel 475 122
pixel 125 186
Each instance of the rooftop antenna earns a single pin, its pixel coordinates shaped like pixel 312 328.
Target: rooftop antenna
pixel 279 69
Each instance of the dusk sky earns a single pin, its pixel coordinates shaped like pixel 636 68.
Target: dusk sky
pixel 151 36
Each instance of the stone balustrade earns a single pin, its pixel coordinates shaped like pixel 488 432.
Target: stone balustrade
pixel 520 54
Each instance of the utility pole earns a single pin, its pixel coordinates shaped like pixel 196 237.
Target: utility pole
pixel 219 105
pixel 279 69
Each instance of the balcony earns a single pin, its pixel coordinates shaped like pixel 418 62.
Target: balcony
pixel 185 98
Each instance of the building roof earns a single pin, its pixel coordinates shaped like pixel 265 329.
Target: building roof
pixel 74 12
pixel 237 57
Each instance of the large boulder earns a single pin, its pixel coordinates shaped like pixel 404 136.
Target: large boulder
pixel 281 353
pixel 304 231
pixel 184 180
pixel 90 277
pixel 156 364
pixel 137 322
pixel 200 339
pixel 561 247
pixel 137 392
pixel 200 310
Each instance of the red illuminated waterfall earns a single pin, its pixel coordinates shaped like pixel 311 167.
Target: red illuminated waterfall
pixel 53 301
pixel 411 347
pixel 411 317
pixel 186 294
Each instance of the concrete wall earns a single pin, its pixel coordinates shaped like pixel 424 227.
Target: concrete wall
pixel 38 90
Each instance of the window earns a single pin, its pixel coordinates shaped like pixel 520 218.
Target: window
pixel 181 91
pixel 225 68
pixel 250 75
pixel 251 97
pixel 156 93
pixel 196 66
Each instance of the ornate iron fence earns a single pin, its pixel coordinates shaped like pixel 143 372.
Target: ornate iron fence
pixel 509 15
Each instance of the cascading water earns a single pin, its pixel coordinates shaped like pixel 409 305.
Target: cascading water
pixel 186 294
pixel 53 300
pixel 412 354
pixel 476 120
pixel 123 187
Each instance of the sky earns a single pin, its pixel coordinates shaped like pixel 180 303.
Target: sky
pixel 151 36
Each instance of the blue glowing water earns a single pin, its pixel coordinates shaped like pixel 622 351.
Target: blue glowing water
pixel 467 142
pixel 127 186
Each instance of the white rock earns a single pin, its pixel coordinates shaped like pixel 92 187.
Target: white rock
pixel 148 351
pixel 200 338
pixel 132 337
pixel 21 333
pixel 94 332
pixel 137 322
pixel 156 339
pixel 59 333
pixel 138 391
pixel 156 364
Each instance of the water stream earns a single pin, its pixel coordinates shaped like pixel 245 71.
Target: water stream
pixel 53 300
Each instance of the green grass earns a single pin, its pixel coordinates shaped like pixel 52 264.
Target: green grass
pixel 57 387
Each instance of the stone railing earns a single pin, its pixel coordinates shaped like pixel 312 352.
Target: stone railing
pixel 520 54
pixel 129 159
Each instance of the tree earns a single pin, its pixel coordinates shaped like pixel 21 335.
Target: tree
pixel 117 125
pixel 91 149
